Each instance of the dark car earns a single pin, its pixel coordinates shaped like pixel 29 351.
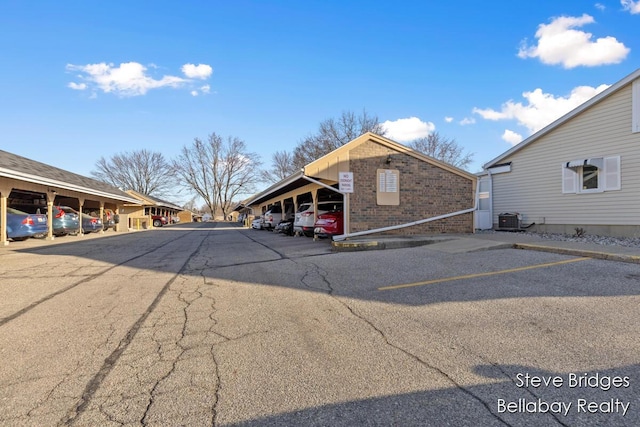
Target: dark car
pixel 69 220
pixel 109 219
pixel 285 227
pixel 22 225
pixel 90 223
pixel 65 221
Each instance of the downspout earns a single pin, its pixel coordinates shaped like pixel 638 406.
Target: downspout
pixel 410 224
pixel 490 197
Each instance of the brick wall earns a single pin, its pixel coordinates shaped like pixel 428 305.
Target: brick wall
pixel 425 191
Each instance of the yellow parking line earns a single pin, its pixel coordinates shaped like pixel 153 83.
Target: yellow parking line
pixel 472 276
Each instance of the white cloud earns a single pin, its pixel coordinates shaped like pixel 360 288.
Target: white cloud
pixel 467 121
pixel 127 79
pixel 77 86
pixel 200 71
pixel 448 119
pixel 201 89
pixel 631 6
pixel 404 130
pixel 133 79
pixel 511 137
pixel 600 6
pixel 542 108
pixel 560 43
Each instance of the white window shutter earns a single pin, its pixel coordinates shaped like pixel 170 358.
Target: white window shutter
pixel 612 173
pixel 569 180
pixel 635 106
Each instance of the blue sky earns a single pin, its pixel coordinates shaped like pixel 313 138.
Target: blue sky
pixel 80 80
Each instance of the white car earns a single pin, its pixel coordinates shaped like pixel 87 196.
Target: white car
pixel 257 224
pixel 304 219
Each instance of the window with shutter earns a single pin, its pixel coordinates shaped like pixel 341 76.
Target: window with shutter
pixel 592 175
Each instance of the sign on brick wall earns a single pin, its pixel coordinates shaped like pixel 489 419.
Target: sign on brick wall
pixel 345 182
pixel 388 187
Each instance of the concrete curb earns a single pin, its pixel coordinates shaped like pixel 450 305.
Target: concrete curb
pixel 579 252
pixel 396 243
pixel 375 245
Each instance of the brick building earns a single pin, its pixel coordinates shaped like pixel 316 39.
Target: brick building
pixel 393 188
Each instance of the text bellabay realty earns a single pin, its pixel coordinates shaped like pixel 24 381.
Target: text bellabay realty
pixel 572 381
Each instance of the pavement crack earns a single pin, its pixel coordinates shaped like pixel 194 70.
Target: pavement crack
pixel 424 363
pixel 109 363
pixel 315 278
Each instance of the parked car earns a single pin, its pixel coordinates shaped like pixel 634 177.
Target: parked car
pixel 257 223
pixel 65 219
pixel 22 225
pixel 285 227
pixel 90 223
pixel 159 220
pixel 175 219
pixel 303 222
pixel 109 219
pixel 272 217
pixel 70 219
pixel 329 224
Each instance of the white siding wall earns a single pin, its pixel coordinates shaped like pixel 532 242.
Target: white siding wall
pixel 534 186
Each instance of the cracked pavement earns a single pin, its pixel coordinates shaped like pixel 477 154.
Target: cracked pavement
pixel 214 325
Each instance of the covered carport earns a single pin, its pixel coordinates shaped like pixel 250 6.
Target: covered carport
pixel 388 188
pixel 25 181
pixel 290 193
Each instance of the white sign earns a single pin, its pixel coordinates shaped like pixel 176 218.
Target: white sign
pixel 345 182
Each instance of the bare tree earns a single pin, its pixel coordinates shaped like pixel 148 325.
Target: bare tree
pixel 281 167
pixel 444 149
pixel 334 133
pixel 218 170
pixel 143 171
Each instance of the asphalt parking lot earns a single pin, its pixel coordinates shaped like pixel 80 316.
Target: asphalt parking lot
pixel 211 324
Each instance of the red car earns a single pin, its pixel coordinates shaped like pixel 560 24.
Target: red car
pixel 159 220
pixel 329 224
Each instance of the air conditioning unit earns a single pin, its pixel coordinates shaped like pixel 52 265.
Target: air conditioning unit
pixel 510 221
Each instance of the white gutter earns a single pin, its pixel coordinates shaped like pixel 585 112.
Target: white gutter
pixel 315 181
pixel 410 224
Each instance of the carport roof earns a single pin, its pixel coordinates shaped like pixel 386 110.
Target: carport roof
pixel 20 168
pixel 150 200
pixel 288 184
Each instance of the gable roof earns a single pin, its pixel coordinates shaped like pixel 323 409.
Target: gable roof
pixel 570 115
pixel 369 136
pixel 297 179
pixel 22 169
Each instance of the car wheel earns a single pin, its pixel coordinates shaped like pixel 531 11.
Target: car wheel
pixel 157 223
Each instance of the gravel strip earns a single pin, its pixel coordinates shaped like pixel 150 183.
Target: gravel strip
pixel 631 242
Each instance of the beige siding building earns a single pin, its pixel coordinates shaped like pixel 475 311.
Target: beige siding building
pixel 582 171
